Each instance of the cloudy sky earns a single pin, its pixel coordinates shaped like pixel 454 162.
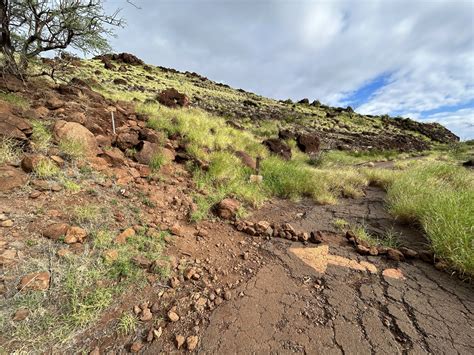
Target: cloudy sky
pixel 409 58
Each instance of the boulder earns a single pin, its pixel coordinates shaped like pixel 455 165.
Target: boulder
pixel 173 98
pixel 55 231
pixel 279 147
pixel 12 126
pixel 246 159
pixel 120 81
pixel 227 208
pixel 150 135
pixel 74 131
pixel 127 140
pixel 146 150
pixel 11 178
pixel 114 156
pixel 308 143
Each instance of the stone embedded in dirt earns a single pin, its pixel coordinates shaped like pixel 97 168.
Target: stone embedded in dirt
pixel 263 227
pixel 177 230
pixel 54 103
pixel 172 98
pixel 75 132
pixel 35 281
pixel 21 314
pixel 29 163
pixel 227 208
pixel 157 332
pixel 75 235
pixel 373 251
pixel 316 237
pixel 303 237
pixel 63 252
pixel 227 295
pixel 393 274
pixel 189 273
pixel 146 315
pixel 427 256
pixel 362 250
pixel 192 342
pixel 7 224
pixel 136 347
pixel 174 282
pixel 141 261
pixel 394 254
pixel 408 253
pixel 246 159
pixel 308 143
pixel 11 178
pixel 95 351
pixel 110 255
pixel 173 316
pixel 114 156
pixel 120 81
pixel 441 265
pixel 200 304
pixel 122 237
pixel 12 126
pixel 55 231
pixel 146 151
pixel 279 147
pixel 179 341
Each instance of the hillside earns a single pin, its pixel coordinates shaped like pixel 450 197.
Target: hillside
pixel 338 127
pixel 145 210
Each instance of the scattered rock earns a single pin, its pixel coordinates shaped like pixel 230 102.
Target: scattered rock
pixel 173 316
pixel 308 143
pixel 227 295
pixel 55 231
pixel 75 132
pixel 136 347
pixel 75 235
pixel 173 98
pixel 179 341
pixel 7 224
pixel 12 126
pixel 146 315
pixel 362 250
pixel 35 281
pixel 21 314
pixel 316 237
pixel 279 147
pixel 227 208
pixel 122 237
pixel 11 178
pixel 394 254
pixel 191 342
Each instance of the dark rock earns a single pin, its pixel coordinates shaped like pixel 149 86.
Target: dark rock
pixel 173 98
pixel 394 254
pixel 279 147
pixel 316 237
pixel 308 143
pixel 127 140
pixel 120 81
pixel 145 152
pixel 246 159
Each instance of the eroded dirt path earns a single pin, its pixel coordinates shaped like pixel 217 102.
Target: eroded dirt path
pixel 328 299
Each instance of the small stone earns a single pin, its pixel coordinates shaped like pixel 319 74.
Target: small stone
pixel 75 234
pixel 441 265
pixel 7 224
pixel 246 256
pixel 95 351
pixel 55 231
pixel 191 342
pixel 373 251
pixel 35 194
pixel 362 250
pixel 3 217
pixel 150 336
pixel 157 332
pixel 122 237
pixel 146 315
pixel 179 341
pixel 394 254
pixel 110 255
pixel 173 316
pixel 174 282
pixel 21 314
pixel 35 281
pixel 316 237
pixel 227 295
pixel 177 230
pixel 136 347
pixel 136 309
pixel 190 273
pixel 63 252
pixel 408 253
pixel 303 237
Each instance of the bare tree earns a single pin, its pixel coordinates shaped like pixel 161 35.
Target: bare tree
pixel 31 27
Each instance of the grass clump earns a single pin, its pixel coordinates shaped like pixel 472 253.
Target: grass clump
pixel 9 151
pixel 127 323
pixel 14 99
pixel 41 136
pixel 158 159
pixel 73 148
pixel 439 197
pixel 46 168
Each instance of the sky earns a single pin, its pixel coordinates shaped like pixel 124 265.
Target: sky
pixel 404 58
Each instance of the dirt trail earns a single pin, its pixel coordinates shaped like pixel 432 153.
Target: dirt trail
pixel 328 299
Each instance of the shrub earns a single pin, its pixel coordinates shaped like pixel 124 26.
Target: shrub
pixel 41 136
pixel 9 151
pixel 46 168
pixel 73 148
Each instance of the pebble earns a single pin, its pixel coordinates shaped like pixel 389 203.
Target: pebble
pixel 7 223
pixel 179 341
pixel 136 347
pixel 227 295
pixel 191 342
pixel 146 315
pixel 173 316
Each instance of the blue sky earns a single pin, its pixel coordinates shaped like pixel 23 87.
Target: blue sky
pixel 409 58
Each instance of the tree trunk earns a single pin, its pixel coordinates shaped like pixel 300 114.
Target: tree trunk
pixel 6 47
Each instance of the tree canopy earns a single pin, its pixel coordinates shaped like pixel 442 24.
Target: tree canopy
pixel 31 27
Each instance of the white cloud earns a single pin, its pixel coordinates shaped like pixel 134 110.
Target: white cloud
pixel 322 50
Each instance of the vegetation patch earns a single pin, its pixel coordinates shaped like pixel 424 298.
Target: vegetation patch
pixel 9 151
pixel 41 136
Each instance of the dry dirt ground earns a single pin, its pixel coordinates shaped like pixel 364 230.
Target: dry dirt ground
pixel 288 297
